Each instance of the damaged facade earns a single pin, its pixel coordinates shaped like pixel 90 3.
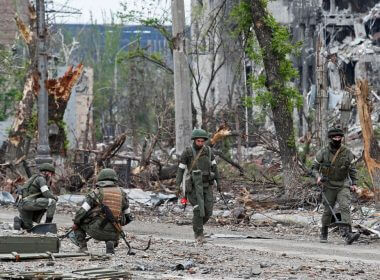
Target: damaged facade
pixel 341 45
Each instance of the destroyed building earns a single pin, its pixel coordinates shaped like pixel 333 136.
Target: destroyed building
pixel 340 45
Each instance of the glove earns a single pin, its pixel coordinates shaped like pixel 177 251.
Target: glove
pixel 74 227
pixel 56 198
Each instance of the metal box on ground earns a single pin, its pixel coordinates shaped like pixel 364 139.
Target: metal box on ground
pixel 29 244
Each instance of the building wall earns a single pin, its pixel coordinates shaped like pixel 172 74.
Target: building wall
pixel 78 111
pixel 8 27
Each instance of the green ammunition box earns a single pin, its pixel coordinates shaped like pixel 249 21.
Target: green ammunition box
pixel 29 244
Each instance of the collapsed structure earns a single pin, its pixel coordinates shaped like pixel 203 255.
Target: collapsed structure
pixel 341 43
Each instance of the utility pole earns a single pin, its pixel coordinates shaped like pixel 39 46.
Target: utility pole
pixel 43 149
pixel 182 89
pixel 322 94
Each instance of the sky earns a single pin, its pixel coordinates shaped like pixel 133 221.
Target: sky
pixel 101 9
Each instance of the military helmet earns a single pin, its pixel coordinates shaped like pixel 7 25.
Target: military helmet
pixel 47 167
pixel 199 133
pixel 107 174
pixel 335 132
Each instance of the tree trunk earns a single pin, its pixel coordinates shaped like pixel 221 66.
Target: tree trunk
pixel 282 115
pixel 24 125
pixel 371 147
pixel 59 92
pixel 182 90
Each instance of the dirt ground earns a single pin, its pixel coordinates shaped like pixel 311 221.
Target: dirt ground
pixel 274 251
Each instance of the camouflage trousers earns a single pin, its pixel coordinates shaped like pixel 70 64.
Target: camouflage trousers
pixel 198 219
pixel 95 229
pixel 343 197
pixel 33 210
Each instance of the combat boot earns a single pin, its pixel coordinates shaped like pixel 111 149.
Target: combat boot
pixel 82 247
pixel 200 239
pixel 17 223
pixel 324 234
pixel 349 236
pixel 110 247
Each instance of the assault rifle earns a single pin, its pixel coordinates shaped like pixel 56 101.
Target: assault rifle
pixel 111 219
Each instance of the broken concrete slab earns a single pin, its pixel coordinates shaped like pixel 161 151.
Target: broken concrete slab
pixel 148 198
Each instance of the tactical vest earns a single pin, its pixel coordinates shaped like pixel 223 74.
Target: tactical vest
pixel 203 163
pixel 338 170
pixel 112 197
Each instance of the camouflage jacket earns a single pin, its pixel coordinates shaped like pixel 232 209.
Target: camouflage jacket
pixel 90 208
pixel 36 187
pixel 336 173
pixel 206 163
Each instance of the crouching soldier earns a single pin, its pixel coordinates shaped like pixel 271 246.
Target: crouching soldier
pixel 199 161
pixel 335 172
pixel 90 218
pixel 35 199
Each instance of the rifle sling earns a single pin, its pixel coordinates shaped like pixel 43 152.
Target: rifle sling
pixel 333 160
pixel 195 159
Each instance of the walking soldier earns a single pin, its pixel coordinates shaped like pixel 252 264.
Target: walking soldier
pixel 199 162
pixel 334 168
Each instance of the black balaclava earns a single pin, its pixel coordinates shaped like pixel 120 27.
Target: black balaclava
pixel 335 143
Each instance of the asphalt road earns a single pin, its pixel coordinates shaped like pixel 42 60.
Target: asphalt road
pixel 291 251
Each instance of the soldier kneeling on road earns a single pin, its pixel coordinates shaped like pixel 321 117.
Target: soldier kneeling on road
pixel 91 218
pixel 35 198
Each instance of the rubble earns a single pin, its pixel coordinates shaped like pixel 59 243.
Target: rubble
pixel 6 198
pixel 149 198
pixel 91 273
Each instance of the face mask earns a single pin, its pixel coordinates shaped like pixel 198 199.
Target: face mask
pixel 336 143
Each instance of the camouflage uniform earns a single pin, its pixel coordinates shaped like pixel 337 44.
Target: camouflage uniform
pixel 199 183
pixel 36 200
pixel 336 180
pixel 90 219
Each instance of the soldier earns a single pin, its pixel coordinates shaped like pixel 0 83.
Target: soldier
pixel 334 167
pixel 90 218
pixel 202 171
pixel 36 199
